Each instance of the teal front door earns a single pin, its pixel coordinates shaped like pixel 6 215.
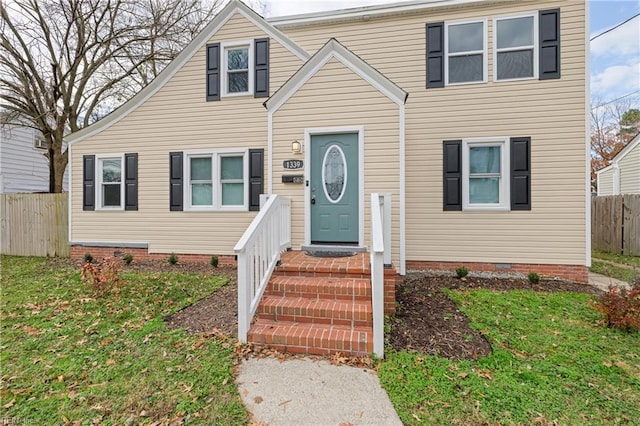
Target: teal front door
pixel 334 189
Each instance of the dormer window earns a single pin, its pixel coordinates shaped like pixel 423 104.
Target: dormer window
pixel 237 62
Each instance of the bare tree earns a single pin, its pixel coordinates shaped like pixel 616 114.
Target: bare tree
pixel 66 63
pixel 613 125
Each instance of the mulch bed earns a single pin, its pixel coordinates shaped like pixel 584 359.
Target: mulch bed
pixel 426 321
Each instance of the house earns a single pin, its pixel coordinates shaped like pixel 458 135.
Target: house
pixel 467 117
pixel 24 166
pixel 622 176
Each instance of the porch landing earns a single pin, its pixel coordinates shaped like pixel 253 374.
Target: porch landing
pixel 319 305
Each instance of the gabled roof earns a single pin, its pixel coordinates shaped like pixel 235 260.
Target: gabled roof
pixel 233 7
pixel 333 49
pixel 627 149
pixel 365 12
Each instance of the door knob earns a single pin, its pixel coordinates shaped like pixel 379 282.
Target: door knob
pixel 313 199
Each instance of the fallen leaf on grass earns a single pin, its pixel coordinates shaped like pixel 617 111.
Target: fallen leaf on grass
pixel 110 362
pixel 9 404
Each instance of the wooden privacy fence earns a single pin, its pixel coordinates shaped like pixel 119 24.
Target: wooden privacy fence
pixel 34 224
pixel 615 224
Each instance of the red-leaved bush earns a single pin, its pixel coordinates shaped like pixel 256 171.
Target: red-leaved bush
pixel 103 276
pixel 621 308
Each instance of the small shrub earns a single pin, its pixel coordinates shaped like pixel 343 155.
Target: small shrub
pixel 173 259
pixel 462 272
pixel 88 258
pixel 103 277
pixel 128 258
pixel 534 278
pixel 621 308
pixel 214 261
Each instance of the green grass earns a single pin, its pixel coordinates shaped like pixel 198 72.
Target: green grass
pixel 601 265
pixel 617 258
pixel 67 356
pixel 551 361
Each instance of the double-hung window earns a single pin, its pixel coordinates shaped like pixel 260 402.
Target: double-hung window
pixel 110 189
pixel 485 174
pixel 466 52
pixel 237 65
pixel 515 50
pixel 217 181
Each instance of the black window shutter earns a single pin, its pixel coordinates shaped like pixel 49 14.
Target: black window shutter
pixel 131 181
pixel 213 72
pixel 452 175
pixel 256 178
pixel 88 182
pixel 175 181
pixel 435 55
pixel 261 80
pixel 521 173
pixel 549 23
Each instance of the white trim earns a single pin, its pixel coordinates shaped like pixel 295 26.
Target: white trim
pixel 234 6
pixel 484 52
pixel 216 200
pixel 362 13
pixel 403 268
pixel 269 152
pixel 224 79
pixel 307 176
pixel 504 204
pixel 333 49
pixel 616 179
pixel 70 199
pixel 587 141
pixel 623 153
pixel 98 179
pixel 535 46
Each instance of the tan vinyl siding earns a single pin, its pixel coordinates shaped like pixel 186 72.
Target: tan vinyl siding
pixel 178 118
pixel 630 172
pixel 337 97
pixel 605 182
pixel 551 112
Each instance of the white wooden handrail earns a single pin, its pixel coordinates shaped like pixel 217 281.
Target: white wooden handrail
pixel 258 252
pixel 377 273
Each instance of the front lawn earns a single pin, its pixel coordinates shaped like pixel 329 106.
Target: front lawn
pixel 68 356
pixel 625 268
pixel 551 362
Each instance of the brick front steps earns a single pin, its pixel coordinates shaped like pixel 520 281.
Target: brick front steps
pixel 317 306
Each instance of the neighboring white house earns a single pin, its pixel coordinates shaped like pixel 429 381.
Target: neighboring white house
pixel 23 164
pixel 622 176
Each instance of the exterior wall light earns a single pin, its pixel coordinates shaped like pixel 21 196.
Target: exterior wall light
pixel 296 147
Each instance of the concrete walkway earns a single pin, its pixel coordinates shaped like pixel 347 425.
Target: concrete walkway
pixel 310 392
pixel 603 282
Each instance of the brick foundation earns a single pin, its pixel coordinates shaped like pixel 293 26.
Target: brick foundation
pixel 78 252
pixel 578 273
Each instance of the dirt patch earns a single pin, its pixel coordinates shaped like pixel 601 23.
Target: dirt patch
pixel 427 321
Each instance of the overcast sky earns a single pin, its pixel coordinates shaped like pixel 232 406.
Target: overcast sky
pixel 615 56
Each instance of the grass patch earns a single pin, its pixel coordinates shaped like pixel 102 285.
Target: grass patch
pixel 68 356
pixel 551 361
pixel 617 258
pixel 609 270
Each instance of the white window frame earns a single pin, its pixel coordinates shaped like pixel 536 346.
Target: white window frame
pixel 505 178
pixel 534 46
pixel 225 78
pixel 470 52
pixel 99 160
pixel 216 184
pixel 36 140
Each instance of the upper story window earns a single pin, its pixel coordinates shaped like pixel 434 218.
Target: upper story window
pixel 237 73
pixel 39 143
pixel 110 190
pixel 217 181
pixel 515 48
pixel 466 52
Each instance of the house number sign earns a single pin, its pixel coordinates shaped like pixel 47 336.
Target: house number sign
pixel 293 164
